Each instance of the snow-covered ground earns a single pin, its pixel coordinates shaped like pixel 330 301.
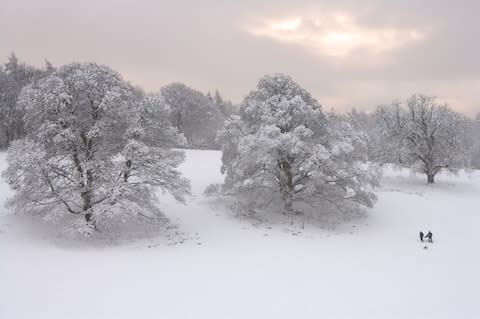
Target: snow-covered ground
pixel 218 266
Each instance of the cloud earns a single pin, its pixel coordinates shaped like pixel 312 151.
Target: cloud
pixel 335 34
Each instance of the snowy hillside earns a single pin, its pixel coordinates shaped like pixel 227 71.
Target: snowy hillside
pixel 214 265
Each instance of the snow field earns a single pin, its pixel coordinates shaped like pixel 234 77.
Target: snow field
pixel 227 267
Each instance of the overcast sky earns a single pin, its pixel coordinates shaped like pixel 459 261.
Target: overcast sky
pixel 347 53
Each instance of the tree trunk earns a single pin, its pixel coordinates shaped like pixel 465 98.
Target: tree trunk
pixel 87 205
pixel 431 179
pixel 286 186
pixel 287 204
pixel 87 193
pixel 88 217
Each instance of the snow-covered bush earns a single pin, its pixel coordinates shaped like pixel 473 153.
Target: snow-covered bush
pixel 95 148
pixel 424 135
pixel 283 148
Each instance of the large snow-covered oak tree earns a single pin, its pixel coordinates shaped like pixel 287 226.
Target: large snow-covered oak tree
pixel 95 148
pixel 283 148
pixel 425 135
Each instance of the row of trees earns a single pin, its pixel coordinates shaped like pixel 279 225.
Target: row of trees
pixel 420 133
pixel 476 142
pixel 89 144
pixel 283 149
pixel 196 115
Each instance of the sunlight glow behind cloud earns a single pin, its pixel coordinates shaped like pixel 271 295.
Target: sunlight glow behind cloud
pixel 334 34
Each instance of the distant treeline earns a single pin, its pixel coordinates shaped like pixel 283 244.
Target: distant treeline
pixel 196 115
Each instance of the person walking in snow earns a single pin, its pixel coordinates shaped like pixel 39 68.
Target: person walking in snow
pixel 429 236
pixel 421 236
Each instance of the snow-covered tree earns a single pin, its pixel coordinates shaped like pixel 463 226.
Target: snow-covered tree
pixel 15 76
pixel 193 114
pixel 226 107
pixel 95 148
pixel 475 137
pixel 147 157
pixel 229 137
pixel 368 124
pixel 425 135
pixel 283 147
